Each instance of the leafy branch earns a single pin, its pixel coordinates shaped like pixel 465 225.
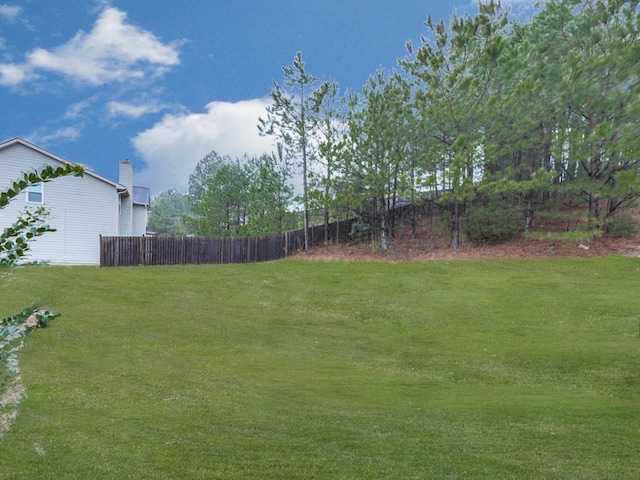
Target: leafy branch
pixel 14 243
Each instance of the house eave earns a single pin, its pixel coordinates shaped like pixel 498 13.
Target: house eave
pixel 57 158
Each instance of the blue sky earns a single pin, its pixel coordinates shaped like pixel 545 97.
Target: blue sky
pixel 165 82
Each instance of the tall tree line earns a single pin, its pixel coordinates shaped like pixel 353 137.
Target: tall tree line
pixel 496 121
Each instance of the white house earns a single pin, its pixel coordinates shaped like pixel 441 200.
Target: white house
pixel 81 208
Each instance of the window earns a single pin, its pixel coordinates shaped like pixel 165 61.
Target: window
pixel 34 193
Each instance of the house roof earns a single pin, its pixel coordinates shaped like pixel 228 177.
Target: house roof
pixel 20 141
pixel 141 195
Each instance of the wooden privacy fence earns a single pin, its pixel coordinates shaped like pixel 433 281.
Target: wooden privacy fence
pixel 131 251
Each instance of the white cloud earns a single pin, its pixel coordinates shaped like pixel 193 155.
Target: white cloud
pixel 173 147
pixel 64 134
pixel 10 12
pixel 130 110
pixel 78 109
pixel 14 74
pixel 113 51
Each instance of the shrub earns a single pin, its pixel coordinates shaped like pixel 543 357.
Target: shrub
pixel 492 223
pixel 359 230
pixel 622 226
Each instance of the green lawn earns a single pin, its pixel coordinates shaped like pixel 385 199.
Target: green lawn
pixel 311 370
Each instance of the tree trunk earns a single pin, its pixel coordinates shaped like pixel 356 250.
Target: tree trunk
pixel 614 201
pixel 304 195
pixel 594 212
pixel 455 225
pixel 529 215
pixel 326 226
pixel 384 239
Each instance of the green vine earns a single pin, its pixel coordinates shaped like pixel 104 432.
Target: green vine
pixel 14 245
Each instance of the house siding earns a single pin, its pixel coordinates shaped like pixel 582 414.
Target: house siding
pixel 125 178
pixel 140 214
pixel 126 217
pixel 81 209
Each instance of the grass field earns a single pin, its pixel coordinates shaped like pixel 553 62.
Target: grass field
pixel 312 370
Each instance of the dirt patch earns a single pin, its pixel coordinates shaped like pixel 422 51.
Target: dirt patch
pixel 405 250
pixel 9 400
